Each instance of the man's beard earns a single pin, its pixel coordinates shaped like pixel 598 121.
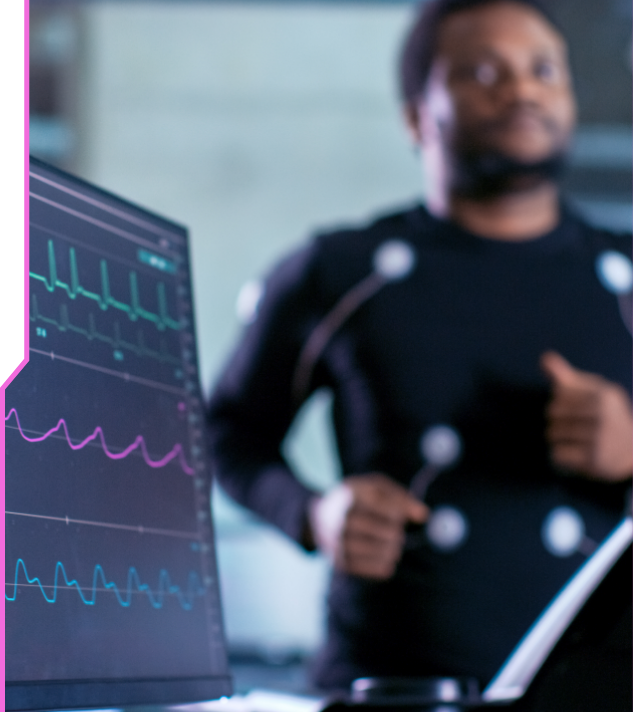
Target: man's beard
pixel 488 174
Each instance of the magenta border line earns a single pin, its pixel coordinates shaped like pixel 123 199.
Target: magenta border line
pixel 25 356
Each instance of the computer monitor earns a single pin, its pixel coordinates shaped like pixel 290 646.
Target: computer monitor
pixel 111 591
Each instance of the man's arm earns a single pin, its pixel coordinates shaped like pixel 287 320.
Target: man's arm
pixel 360 523
pixel 251 407
pixel 590 425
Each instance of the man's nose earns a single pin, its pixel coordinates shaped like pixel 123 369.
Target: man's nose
pixel 519 86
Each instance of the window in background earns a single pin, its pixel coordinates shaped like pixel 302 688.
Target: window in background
pixel 601 51
pixel 53 82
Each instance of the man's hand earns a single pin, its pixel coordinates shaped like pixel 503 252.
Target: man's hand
pixel 360 524
pixel 590 426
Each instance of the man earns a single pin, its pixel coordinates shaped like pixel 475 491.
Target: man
pixel 479 360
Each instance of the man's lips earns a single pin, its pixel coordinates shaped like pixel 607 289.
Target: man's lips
pixel 522 119
pixel 522 124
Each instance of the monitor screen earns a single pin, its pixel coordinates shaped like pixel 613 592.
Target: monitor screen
pixel 111 584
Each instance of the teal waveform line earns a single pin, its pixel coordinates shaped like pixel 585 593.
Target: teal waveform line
pixel 134 310
pixel 92 334
pixel 156 598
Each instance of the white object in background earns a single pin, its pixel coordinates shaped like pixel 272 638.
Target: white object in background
pixel 257 701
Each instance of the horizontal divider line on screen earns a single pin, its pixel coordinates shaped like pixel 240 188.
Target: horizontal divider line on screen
pixel 111 372
pixel 136 528
pixel 139 443
pixel 156 598
pixel 107 226
pixel 106 207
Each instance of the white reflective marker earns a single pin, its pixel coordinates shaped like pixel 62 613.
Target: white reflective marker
pixel 248 300
pixel 562 531
pixel 441 445
pixel 447 528
pixel 615 272
pixel 394 259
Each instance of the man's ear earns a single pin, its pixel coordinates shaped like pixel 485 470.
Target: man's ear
pixel 413 115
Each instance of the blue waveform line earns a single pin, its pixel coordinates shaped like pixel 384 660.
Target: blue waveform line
pixel 165 587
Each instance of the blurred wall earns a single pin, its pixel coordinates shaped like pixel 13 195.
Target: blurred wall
pixel 250 123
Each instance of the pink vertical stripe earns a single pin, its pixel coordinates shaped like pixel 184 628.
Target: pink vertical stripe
pixel 25 355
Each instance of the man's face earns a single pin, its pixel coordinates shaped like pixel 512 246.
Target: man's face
pixel 499 89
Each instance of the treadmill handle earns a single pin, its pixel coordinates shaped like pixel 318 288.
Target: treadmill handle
pixel 520 668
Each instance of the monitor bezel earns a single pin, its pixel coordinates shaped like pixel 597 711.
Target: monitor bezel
pixel 68 694
pixel 108 692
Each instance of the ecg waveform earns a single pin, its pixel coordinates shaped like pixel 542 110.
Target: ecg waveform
pixel 134 310
pixel 139 443
pixel 156 598
pixel 91 333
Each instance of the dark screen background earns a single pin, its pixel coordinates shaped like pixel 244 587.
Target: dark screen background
pixel 110 569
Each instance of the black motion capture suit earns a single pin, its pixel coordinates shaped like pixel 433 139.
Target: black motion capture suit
pixel 414 323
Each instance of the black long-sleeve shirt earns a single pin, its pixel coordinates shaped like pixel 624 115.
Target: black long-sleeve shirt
pixel 455 341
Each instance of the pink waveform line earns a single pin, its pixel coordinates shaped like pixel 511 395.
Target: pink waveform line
pixel 139 442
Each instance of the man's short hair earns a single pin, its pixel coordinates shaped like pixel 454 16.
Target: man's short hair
pixel 418 50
